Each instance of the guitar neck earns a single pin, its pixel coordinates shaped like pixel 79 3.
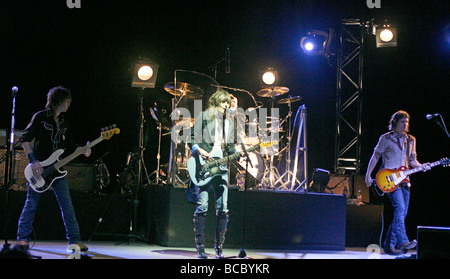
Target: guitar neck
pixel 231 157
pixel 411 171
pixel 76 153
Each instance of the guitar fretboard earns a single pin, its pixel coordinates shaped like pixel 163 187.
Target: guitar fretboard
pixel 76 153
pixel 231 157
pixel 411 171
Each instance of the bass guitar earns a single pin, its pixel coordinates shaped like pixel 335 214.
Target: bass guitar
pixel 389 179
pixel 51 166
pixel 202 171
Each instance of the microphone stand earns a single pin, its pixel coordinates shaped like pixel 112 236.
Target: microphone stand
pixel 9 166
pixel 242 253
pixel 442 125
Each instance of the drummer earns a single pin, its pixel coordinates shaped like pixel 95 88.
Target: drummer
pixel 246 139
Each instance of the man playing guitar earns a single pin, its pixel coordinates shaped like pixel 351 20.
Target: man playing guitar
pixel 397 149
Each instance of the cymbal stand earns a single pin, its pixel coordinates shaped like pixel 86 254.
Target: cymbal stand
pixel 133 236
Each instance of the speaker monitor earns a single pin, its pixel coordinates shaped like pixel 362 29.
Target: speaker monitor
pixel 342 185
pixel 433 242
pixel 81 177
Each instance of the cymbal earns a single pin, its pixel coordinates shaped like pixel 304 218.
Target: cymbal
pixel 186 122
pixel 290 99
pixel 184 89
pixel 272 92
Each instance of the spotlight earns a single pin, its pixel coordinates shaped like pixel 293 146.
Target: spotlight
pixel 144 74
pixel 315 43
pixel 386 36
pixel 269 77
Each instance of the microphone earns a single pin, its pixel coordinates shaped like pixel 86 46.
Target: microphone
pixel 228 66
pixel 431 116
pixel 230 111
pixel 14 90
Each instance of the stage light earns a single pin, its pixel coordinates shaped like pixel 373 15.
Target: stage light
pixel 269 77
pixel 386 36
pixel 315 42
pixel 144 74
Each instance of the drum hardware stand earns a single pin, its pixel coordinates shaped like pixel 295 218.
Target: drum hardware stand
pixel 158 157
pixel 303 186
pixel 288 173
pixel 271 176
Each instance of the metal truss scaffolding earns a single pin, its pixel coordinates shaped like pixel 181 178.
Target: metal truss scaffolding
pixel 349 91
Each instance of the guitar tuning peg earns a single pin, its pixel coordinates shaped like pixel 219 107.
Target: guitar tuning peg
pixel 114 125
pixel 102 129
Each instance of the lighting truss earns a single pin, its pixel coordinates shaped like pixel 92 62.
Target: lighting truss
pixel 349 89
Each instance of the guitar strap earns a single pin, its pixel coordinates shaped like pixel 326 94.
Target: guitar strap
pixel 408 150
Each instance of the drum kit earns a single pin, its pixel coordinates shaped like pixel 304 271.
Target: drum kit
pixel 262 170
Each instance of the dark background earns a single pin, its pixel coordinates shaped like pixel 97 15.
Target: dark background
pixel 91 51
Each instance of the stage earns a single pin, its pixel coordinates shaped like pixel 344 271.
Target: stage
pixel 274 220
pixel 112 250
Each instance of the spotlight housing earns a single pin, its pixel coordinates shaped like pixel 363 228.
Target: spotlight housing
pixel 145 74
pixel 386 36
pixel 316 42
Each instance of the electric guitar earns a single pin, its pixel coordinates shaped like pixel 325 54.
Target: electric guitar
pixel 202 171
pixel 53 164
pixel 389 179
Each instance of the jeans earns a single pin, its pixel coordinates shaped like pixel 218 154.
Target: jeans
pixel 61 190
pixel 396 234
pixel 219 184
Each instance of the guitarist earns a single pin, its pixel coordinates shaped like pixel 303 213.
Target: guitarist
pixel 48 128
pixel 212 131
pixel 396 148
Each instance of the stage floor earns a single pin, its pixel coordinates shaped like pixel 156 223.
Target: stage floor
pixel 113 250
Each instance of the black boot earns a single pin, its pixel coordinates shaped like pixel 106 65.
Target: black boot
pixel 221 229
pixel 199 232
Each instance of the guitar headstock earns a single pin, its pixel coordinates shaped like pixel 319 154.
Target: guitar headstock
pixel 110 131
pixel 445 162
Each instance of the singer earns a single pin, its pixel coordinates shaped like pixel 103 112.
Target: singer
pixel 213 133
pixel 396 148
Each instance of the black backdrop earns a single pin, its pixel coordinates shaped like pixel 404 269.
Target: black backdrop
pixel 90 50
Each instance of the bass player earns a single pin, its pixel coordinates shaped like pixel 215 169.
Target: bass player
pixel 49 130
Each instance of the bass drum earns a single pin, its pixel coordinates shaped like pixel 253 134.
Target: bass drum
pixel 255 169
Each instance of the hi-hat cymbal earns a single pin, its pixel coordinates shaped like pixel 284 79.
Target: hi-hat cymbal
pixel 184 89
pixel 272 92
pixel 290 99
